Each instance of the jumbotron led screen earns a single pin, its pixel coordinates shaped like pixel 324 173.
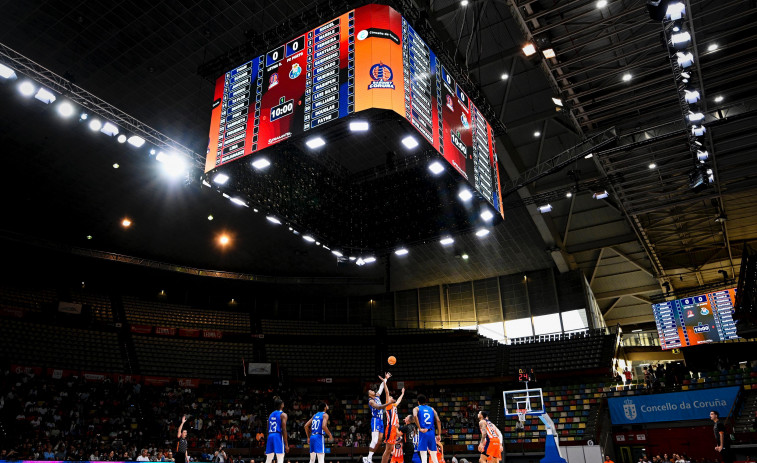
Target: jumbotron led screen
pixel 696 320
pixel 367 58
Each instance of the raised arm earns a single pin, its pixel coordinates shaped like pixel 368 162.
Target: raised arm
pixel 284 431
pixel 326 425
pixel 399 400
pixel 183 420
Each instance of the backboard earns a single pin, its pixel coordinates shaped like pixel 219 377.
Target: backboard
pixel 531 400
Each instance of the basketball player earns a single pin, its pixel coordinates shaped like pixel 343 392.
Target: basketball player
pixel 181 446
pixel 392 422
pixel 427 421
pixel 314 429
pixel 377 417
pixel 278 441
pixel 491 440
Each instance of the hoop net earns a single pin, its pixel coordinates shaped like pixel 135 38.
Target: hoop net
pixel 521 415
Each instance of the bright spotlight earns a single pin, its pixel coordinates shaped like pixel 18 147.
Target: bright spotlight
pixel 224 240
pixel 545 208
pixel 261 163
pixel 109 129
pixel 65 109
pixel 465 194
pixel 712 47
pixel 684 59
pixel 698 130
pixel 691 96
pixel 652 165
pixel 504 76
pixel 337 253
pixel 601 195
pixel 482 232
pixel 601 3
pixel 487 214
pixel 675 11
pixel 529 49
pixel 702 155
pixel 359 126
pixel 210 217
pixel 308 238
pixel 436 167
pixel 464 256
pixel 682 38
pixel 44 95
pixel 549 53
pixel 446 241
pixel 410 142
pixel 6 72
pixel 360 261
pixel 172 163
pixel 315 142
pixel 126 223
pixel 569 194
pixel 718 99
pixel 273 219
pixel 463 2
pixel 401 252
pixel 121 138
pixel 369 260
pixel 136 141
pixel 537 134
pixel 695 117
pixel 589 156
pixel 95 125
pixel 238 201
pixel 26 88
pixel 83 116
pixel 220 179
pixel 557 101
pixel 627 77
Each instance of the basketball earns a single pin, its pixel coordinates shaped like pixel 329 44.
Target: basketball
pixel 391 360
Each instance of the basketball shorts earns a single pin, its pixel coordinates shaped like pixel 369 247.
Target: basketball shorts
pixel 493 450
pixel 439 456
pixel 390 435
pixel 427 442
pixel 317 444
pixel 397 455
pixel 274 444
pixel 377 425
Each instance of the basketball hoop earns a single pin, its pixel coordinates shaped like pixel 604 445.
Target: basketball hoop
pixel 521 417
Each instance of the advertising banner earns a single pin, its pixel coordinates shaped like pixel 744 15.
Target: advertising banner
pixel 212 334
pixel 674 406
pixel 165 331
pixel 189 333
pixel 141 329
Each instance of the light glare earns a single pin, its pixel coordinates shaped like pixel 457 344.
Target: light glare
pixel 410 142
pixel 601 3
pixel 549 53
pixel 65 109
pixel 436 167
pixel 95 125
pixel 359 126
pixel 315 142
pixel 487 215
pixel 529 49
pixel 109 129
pixel 482 232
pixel 238 201
pixel 121 138
pixel 465 194
pixel 221 179
pixel 6 72
pixel 261 163
pixel 26 88
pixel 446 241
pixel 627 77
pixel 712 47
pixel 545 208
pixel 401 252
pixel 44 95
pixel 308 238
pixel 273 219
pixel 136 141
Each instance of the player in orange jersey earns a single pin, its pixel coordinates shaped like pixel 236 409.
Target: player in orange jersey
pixel 491 440
pixel 392 423
pixel 440 452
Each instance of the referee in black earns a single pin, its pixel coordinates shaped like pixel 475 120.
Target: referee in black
pixel 722 440
pixel 181 445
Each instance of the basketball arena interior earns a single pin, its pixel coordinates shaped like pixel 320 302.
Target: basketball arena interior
pixel 208 205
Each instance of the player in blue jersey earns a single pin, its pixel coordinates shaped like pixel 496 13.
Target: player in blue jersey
pixel 377 417
pixel 278 441
pixel 429 429
pixel 314 428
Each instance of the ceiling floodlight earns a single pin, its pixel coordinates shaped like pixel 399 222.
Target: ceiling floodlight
pixel 172 163
pixel 436 167
pixel 627 77
pixel 273 219
pixel 545 208
pixel 675 11
pixel 487 215
pixel 702 155
pixel 121 138
pixel 136 141
pixel 65 109
pixel 360 261
pixel 308 238
pixel 6 72
pixel 557 101
pixel 337 253
pixel 685 59
pixel 109 129
pixel 718 99
pixel 652 165
pixel 482 232
pixel 681 38
pixel 359 126
pixel 44 95
pixel 315 142
pixel 369 260
pixel 26 88
pixel 698 130
pixel 601 195
pixel 529 49
pixel 691 96
pixel 601 3
pixel 695 117
pixel 446 241
pixel 712 47
pixel 410 142
pixel 261 163
pixel 239 202
pixel 220 179
pixel 95 125
pixel 549 53
pixel 401 252
pixel 465 194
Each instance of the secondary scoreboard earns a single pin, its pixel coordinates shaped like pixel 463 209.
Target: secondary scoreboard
pixel 696 320
pixel 369 57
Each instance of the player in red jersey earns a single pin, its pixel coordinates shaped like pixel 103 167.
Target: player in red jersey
pixel 491 440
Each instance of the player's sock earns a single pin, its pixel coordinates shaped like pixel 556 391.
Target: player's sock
pixel 269 458
pixel 433 457
pixel 321 457
pixel 370 455
pixel 312 457
pixel 424 456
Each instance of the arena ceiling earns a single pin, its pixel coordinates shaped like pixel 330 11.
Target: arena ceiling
pixel 652 230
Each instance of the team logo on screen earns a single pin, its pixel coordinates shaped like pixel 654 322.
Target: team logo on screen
pixel 704 311
pixel 449 103
pixel 295 72
pixel 273 80
pixel 382 76
pixel 362 35
pixel 464 120
pixel 689 313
